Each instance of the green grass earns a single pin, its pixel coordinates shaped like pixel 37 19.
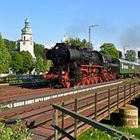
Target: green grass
pixel 94 134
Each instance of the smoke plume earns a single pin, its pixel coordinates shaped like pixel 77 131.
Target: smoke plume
pixel 131 37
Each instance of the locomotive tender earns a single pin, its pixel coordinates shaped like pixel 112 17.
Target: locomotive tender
pixel 75 66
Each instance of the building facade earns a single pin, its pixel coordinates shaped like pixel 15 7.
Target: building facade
pixel 26 42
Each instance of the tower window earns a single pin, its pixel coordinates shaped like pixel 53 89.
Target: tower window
pixel 24 37
pixel 138 54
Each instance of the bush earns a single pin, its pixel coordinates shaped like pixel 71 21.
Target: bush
pixel 16 132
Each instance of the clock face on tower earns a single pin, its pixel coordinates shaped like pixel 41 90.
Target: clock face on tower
pixel 24 43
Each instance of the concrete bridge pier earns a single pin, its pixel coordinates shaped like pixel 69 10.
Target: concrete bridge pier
pixel 128 116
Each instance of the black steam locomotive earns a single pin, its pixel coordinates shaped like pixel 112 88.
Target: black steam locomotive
pixel 75 66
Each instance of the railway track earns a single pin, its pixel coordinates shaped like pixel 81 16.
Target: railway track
pixel 39 114
pixel 19 96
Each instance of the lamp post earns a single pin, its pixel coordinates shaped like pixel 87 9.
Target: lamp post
pixel 89 31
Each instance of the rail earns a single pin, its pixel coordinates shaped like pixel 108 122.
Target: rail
pixel 86 120
pixel 98 104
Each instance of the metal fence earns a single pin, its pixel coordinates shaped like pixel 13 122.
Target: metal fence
pixel 100 104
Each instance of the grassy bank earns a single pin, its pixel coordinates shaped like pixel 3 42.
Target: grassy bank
pixel 94 134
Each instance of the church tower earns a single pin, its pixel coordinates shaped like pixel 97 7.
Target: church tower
pixel 26 42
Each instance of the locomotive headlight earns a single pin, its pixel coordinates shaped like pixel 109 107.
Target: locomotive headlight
pixel 63 72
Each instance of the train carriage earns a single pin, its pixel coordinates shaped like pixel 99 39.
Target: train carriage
pixel 128 68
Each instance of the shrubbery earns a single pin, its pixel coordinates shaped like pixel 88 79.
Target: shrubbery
pixel 16 132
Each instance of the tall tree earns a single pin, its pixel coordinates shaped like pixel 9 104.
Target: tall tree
pixel 28 62
pixel 130 55
pixel 5 58
pixel 10 45
pixel 39 65
pixel 38 49
pixel 47 65
pixel 82 43
pixel 110 49
pixel 17 62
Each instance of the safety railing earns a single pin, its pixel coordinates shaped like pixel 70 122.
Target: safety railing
pixel 102 104
pixel 86 120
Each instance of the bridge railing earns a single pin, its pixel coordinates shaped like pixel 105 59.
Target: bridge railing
pixel 86 120
pixel 99 104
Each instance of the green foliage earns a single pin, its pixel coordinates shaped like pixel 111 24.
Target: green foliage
pixel 134 132
pixel 28 62
pixel 39 65
pixel 38 49
pixel 47 65
pixel 94 134
pixel 10 45
pixel 82 43
pixel 110 49
pixel 19 132
pixel 5 58
pixel 130 55
pixel 17 62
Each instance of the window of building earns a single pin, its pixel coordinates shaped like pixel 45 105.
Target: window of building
pixel 138 54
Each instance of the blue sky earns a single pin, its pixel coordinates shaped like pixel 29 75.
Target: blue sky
pixel 50 20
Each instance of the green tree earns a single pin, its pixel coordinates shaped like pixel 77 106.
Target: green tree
pixel 10 45
pixel 38 49
pixel 130 55
pixel 47 65
pixel 110 49
pixel 39 65
pixel 17 62
pixel 28 62
pixel 5 58
pixel 82 43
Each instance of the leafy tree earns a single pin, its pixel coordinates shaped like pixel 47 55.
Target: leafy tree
pixel 47 65
pixel 28 62
pixel 5 58
pixel 17 62
pixel 130 55
pixel 110 49
pixel 38 49
pixel 82 43
pixel 10 45
pixel 39 65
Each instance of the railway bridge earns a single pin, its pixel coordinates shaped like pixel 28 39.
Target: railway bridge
pixel 95 102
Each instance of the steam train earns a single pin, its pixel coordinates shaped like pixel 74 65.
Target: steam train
pixel 76 66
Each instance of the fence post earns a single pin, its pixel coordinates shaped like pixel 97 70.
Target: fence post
pixel 62 117
pixel 109 102
pixel 124 94
pixel 96 106
pixel 75 121
pixel 118 97
pixel 137 89
pixel 130 91
pixel 55 123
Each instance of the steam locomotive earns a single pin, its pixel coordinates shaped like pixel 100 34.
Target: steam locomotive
pixel 76 66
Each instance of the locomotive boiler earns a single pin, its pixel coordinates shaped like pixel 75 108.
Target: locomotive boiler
pixel 75 66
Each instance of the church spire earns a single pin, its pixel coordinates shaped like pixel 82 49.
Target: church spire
pixel 26 29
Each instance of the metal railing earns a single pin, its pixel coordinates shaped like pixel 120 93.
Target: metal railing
pixel 86 120
pixel 102 104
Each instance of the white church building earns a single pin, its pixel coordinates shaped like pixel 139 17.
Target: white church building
pixel 26 42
